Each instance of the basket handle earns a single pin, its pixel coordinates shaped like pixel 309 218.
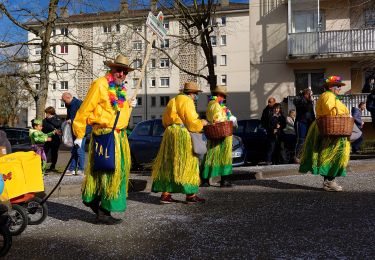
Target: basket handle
pixel 337 111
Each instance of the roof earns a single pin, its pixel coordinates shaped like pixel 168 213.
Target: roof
pixel 132 14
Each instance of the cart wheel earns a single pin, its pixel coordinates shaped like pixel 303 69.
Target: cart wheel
pixel 19 219
pixel 5 240
pixel 36 212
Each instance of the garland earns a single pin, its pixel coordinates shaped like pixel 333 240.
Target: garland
pixel 117 94
pixel 220 100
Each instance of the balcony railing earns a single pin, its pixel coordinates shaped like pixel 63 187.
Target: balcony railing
pixel 349 100
pixel 327 42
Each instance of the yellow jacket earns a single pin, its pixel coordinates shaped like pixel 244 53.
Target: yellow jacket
pixel 181 110
pixel 96 110
pixel 326 103
pixel 215 112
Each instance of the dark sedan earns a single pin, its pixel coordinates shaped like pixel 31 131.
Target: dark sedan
pixel 18 138
pixel 145 141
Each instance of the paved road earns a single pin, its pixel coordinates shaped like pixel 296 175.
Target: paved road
pixel 282 217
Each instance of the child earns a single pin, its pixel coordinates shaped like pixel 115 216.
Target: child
pixel 277 124
pixel 38 138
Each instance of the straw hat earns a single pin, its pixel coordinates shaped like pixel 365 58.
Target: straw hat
pixel 220 90
pixel 120 62
pixel 333 81
pixel 191 87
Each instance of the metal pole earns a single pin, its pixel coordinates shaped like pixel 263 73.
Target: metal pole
pixel 319 25
pixel 289 16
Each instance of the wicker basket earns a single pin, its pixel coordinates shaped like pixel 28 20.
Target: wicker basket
pixel 335 125
pixel 219 130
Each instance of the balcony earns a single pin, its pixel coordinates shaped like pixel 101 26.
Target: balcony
pixel 343 43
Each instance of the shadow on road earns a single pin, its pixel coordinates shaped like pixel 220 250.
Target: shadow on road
pixel 275 184
pixel 144 197
pixel 70 213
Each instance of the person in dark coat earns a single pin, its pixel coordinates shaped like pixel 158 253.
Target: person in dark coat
pixel 267 112
pixel 305 116
pixel 78 162
pixel 369 85
pixel 50 123
pixel 370 106
pixel 357 115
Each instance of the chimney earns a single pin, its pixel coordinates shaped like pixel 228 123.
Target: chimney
pixel 64 12
pixel 224 3
pixel 124 7
pixel 153 5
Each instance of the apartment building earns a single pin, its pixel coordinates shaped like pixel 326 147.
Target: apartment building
pixel 82 40
pixel 295 43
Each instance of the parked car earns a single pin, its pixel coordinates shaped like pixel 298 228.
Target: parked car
pixel 254 138
pixel 18 138
pixel 145 141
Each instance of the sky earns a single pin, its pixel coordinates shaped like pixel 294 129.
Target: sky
pixel 11 33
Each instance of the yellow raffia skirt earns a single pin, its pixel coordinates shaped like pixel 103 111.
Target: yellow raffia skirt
pixel 110 187
pixel 176 168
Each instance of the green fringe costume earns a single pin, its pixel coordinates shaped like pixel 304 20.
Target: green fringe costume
pixel 109 187
pixel 218 159
pixel 326 156
pixel 176 168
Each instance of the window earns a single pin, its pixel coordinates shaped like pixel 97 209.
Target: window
pixel 118 28
pixel 158 129
pixel 143 128
pixel 137 63
pixel 153 101
pixel 166 24
pixel 154 44
pixel 214 60
pixel 107 46
pixel 137 45
pixel 36 67
pixel 62 104
pixel 307 21
pixel 54 49
pixel 64 49
pixel 164 82
pixel 135 82
pixel 164 63
pixel 369 18
pixel 164 101
pixel 37 86
pixel 164 43
pixel 64 85
pixel 139 101
pixel 153 116
pixel 213 40
pixel 224 80
pixel 53 32
pixel 64 31
pixel 213 21
pixel 223 20
pixel 64 66
pixel 223 60
pixel 153 63
pixel 107 28
pixel 223 40
pixel 38 50
pixel 153 82
pixel 137 27
pixel 312 79
pixel 53 85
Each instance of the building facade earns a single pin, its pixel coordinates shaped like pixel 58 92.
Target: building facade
pixel 294 44
pixel 83 42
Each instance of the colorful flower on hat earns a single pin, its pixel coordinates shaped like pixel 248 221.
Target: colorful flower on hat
pixel 333 79
pixel 116 93
pixel 220 100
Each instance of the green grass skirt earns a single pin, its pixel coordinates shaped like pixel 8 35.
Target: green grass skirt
pixel 176 168
pixel 326 156
pixel 109 187
pixel 218 159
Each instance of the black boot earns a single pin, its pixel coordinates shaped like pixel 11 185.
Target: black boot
pixel 225 183
pixel 205 183
pixel 93 205
pixel 104 217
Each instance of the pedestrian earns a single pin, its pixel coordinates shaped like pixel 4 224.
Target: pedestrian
pixel 357 115
pixel 267 113
pixel 327 156
pixel 369 85
pixel 370 106
pixel 38 139
pixel 304 118
pixel 218 159
pixel 105 191
pixel 52 122
pixel 77 164
pixel 275 135
pixel 290 134
pixel 176 167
